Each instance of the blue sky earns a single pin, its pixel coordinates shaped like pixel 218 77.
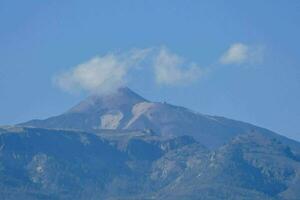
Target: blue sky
pixel 41 40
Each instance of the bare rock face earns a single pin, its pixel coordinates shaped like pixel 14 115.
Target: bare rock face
pixel 126 110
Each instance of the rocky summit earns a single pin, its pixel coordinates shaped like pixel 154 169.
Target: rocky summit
pixel 122 146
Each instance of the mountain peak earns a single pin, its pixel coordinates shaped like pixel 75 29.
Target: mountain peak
pixel 126 110
pixel 119 98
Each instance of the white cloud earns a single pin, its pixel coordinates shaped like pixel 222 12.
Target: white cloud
pixel 106 73
pixel 240 53
pixel 171 69
pixel 100 74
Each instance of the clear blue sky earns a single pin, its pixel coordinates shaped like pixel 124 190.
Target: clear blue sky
pixel 39 39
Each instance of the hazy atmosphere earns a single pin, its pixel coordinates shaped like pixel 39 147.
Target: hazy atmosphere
pixel 244 57
pixel 236 61
pixel 146 99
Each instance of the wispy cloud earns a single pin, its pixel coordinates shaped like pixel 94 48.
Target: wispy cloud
pixel 100 74
pixel 240 53
pixel 106 73
pixel 171 69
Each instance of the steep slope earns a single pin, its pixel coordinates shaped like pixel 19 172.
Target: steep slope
pixel 96 112
pixel 126 110
pixel 40 163
pixel 251 166
pixel 48 164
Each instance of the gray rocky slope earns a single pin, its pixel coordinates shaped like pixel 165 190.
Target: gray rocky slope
pixel 121 146
pixel 126 110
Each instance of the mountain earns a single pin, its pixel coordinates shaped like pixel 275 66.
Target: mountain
pixel 251 166
pixel 126 110
pixel 52 164
pixel 121 146
pixel 96 112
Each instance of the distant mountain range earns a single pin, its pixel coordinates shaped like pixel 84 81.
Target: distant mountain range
pixel 122 146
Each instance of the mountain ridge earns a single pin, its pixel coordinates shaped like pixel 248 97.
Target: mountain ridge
pixel 38 163
pixel 122 146
pixel 126 110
